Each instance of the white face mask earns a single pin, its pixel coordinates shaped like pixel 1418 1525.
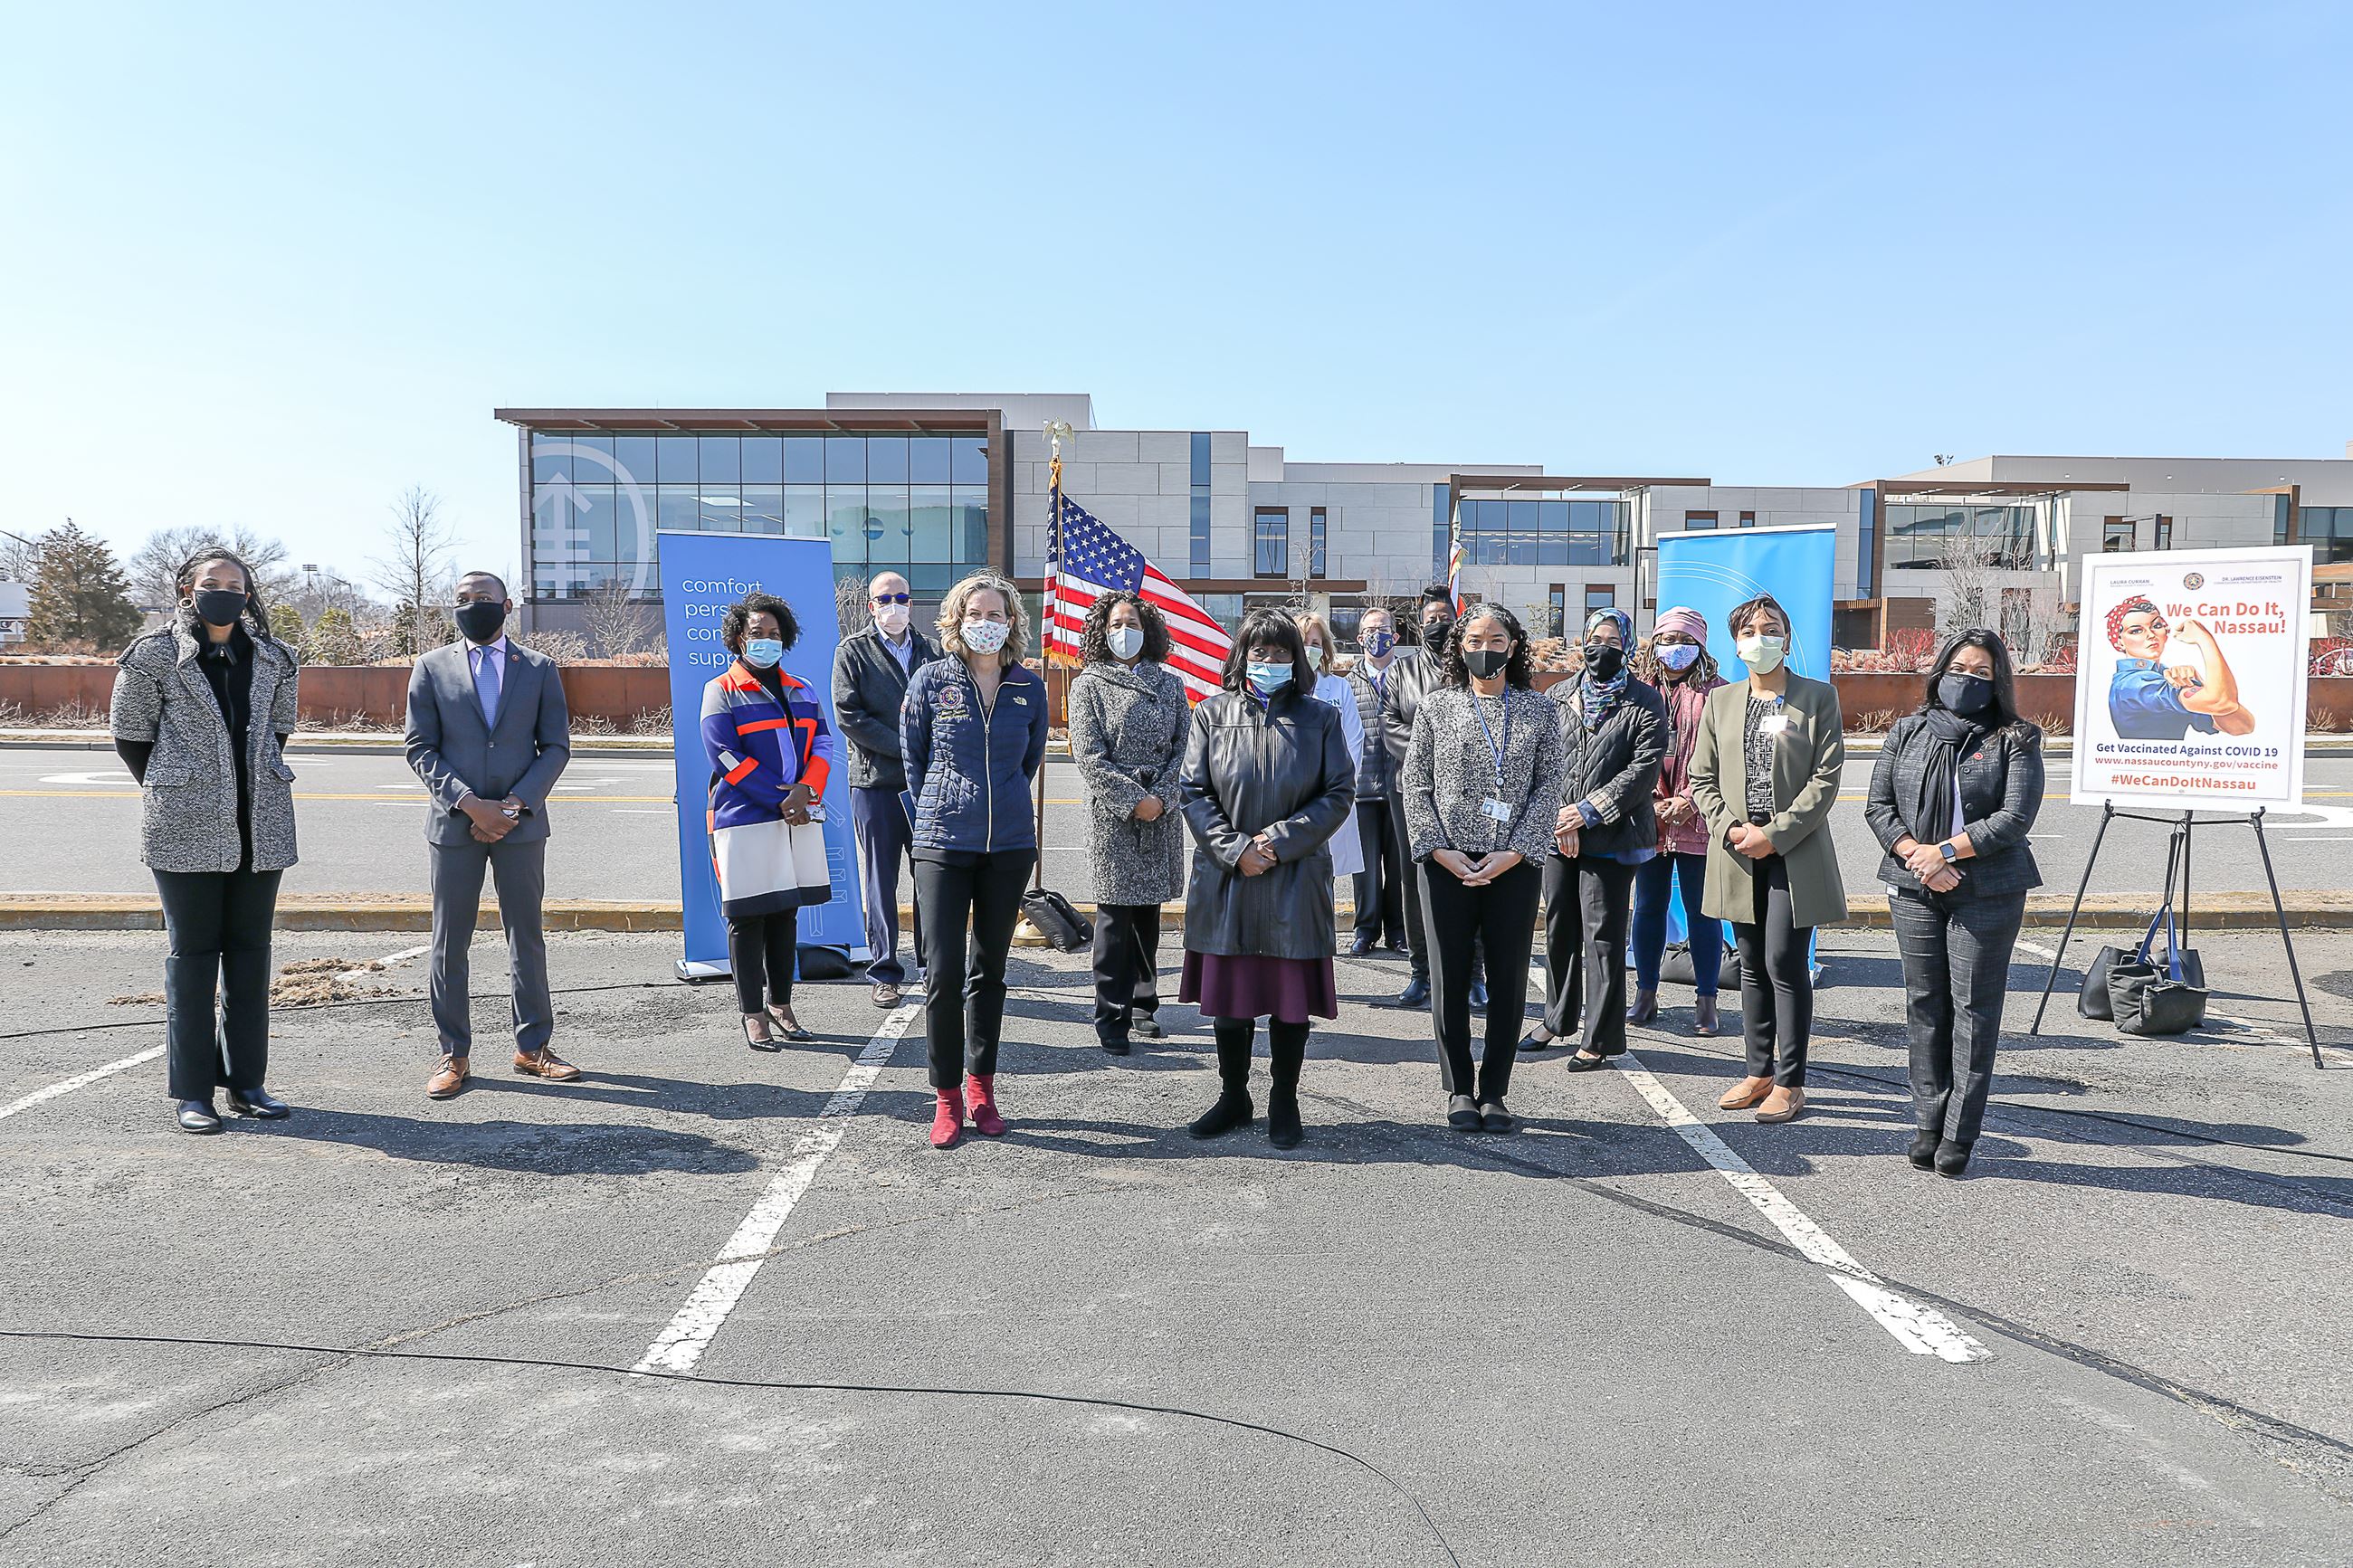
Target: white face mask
pixel 1762 654
pixel 985 637
pixel 892 620
pixel 1125 642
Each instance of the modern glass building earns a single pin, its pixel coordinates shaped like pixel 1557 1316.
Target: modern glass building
pixel 921 492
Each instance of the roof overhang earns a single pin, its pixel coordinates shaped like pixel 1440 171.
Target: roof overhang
pixel 723 420
pixel 1556 483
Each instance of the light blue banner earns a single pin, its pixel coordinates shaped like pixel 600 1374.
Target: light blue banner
pixel 701 575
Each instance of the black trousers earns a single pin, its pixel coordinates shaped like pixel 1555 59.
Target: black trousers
pixel 1380 886
pixel 1127 966
pixel 1776 987
pixel 1956 973
pixel 761 950
pixel 878 821
pixel 1287 1043
pixel 1588 903
pixel 218 926
pixel 1413 876
pixel 1503 917
pixel 969 913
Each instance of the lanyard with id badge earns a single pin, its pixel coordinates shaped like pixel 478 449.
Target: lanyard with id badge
pixel 1495 808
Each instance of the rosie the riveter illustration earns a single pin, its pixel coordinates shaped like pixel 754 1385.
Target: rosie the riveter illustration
pixel 2149 700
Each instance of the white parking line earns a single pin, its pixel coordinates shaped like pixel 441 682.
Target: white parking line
pixel 680 1347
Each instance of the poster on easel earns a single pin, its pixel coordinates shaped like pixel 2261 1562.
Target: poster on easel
pixel 2190 685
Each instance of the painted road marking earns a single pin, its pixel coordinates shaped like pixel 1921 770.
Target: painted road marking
pixel 1923 1331
pixel 680 1347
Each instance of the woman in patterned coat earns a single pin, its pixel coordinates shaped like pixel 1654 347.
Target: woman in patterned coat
pixel 1128 720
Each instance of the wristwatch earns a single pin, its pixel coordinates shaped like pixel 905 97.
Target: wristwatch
pixel 1949 852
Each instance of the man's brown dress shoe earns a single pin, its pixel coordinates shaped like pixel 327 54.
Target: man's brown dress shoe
pixel 886 994
pixel 447 1079
pixel 545 1063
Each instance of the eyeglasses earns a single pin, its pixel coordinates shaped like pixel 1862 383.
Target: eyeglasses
pixel 894 598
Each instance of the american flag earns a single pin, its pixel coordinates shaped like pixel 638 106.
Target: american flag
pixel 1454 572
pixel 1091 561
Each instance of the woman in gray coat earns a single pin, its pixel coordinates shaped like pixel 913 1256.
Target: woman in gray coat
pixel 201 709
pixel 1128 717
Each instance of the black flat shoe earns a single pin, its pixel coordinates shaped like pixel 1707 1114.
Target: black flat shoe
pixel 1283 1129
pixel 1363 944
pixel 1952 1158
pixel 1923 1151
pixel 1531 1043
pixel 259 1102
pixel 1495 1116
pixel 1462 1114
pixel 1144 1027
pixel 199 1116
pixel 1232 1110
pixel 1114 1048
pixel 1415 995
pixel 1580 1062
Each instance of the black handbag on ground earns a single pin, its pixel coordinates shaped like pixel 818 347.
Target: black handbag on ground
pixel 2093 1000
pixel 1675 967
pixel 1056 920
pixel 2149 998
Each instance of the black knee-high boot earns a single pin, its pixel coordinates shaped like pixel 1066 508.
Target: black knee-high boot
pixel 1288 1042
pixel 1233 1108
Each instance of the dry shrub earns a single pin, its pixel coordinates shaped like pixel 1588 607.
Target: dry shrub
pixel 305 982
pixel 2322 721
pixel 1877 721
pixel 592 724
pixel 652 722
pixel 2055 723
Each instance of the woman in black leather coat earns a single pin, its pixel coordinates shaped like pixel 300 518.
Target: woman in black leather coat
pixel 1265 784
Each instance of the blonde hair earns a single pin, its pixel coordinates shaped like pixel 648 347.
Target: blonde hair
pixel 1308 622
pixel 952 608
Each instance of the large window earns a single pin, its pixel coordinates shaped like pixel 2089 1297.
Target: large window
pixel 1201 485
pixel 1599 596
pixel 1699 521
pixel 2117 535
pixel 1920 537
pixel 2328 530
pixel 916 503
pixel 1557 610
pixel 1511 532
pixel 1316 527
pixel 1271 534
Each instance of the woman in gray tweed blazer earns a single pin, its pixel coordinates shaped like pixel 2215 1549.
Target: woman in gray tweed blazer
pixel 201 706
pixel 1481 788
pixel 1128 724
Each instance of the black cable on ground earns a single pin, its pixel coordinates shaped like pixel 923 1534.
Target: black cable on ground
pixel 915 1390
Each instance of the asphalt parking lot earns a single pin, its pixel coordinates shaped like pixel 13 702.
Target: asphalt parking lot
pixel 1610 1339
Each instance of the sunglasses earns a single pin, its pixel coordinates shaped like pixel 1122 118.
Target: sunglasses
pixel 894 598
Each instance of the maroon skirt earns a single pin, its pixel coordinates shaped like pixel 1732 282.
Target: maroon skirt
pixel 1288 990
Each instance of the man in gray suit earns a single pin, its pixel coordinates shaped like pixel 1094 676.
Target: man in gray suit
pixel 489 734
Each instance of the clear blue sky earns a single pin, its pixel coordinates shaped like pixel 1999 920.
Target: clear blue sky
pixel 275 265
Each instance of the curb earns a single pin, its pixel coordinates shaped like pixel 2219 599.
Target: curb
pixel 414 912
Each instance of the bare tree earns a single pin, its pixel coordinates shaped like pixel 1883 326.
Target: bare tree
pixel 1981 585
pixel 20 556
pixel 155 566
pixel 415 572
pixel 617 623
pixel 850 607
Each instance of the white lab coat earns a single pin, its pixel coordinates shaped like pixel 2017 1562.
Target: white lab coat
pixel 1347 849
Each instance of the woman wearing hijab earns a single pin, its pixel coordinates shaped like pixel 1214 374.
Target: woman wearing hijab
pixel 1764 775
pixel 1128 717
pixel 1677 666
pixel 765 735
pixel 202 709
pixel 1612 729
pixel 1952 799
pixel 1265 784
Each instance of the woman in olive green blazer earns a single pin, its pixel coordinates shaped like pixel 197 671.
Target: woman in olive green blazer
pixel 1772 869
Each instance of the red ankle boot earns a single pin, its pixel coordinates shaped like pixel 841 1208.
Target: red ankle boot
pixel 982 1092
pixel 947 1119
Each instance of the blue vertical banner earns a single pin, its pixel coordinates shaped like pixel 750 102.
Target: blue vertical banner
pixel 1715 570
pixel 701 575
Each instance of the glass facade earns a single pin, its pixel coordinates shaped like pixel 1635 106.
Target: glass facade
pixel 1918 537
pixel 1270 542
pixel 1545 532
pixel 916 503
pixel 1200 498
pixel 2327 529
pixel 1316 525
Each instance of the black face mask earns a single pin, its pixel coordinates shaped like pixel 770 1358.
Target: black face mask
pixel 1435 633
pixel 1967 695
pixel 1486 663
pixel 1603 660
pixel 481 619
pixel 220 607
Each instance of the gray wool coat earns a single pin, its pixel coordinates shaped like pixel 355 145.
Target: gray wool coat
pixel 188 811
pixel 1128 724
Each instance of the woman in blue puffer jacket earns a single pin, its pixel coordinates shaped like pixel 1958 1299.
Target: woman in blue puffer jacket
pixel 972 730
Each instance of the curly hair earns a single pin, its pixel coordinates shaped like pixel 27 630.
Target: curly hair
pixel 951 622
pixel 1094 636
pixel 1644 662
pixel 1274 629
pixel 184 581
pixel 738 620
pixel 1455 672
pixel 2136 605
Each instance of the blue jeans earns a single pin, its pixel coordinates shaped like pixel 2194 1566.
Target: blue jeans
pixel 1649 935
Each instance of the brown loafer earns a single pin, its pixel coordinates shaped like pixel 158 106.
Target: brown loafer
pixel 1782 1105
pixel 886 994
pixel 545 1063
pixel 447 1079
pixel 1746 1093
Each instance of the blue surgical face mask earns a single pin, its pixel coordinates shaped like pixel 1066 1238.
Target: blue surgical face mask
pixel 1678 655
pixel 762 653
pixel 1378 644
pixel 1268 678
